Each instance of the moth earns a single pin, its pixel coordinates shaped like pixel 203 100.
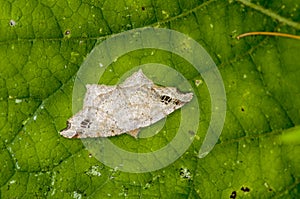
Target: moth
pixel 124 108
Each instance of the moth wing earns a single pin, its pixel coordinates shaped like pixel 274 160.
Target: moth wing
pixel 137 79
pixel 74 129
pixel 134 133
pixel 94 90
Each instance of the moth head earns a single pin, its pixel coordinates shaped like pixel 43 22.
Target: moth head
pixel 69 132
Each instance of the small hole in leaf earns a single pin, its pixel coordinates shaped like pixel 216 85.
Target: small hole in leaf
pixel 67 32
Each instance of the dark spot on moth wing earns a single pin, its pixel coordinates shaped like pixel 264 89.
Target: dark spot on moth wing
pixel 155 94
pixel 176 101
pixel 165 99
pixel 68 126
pixel 233 194
pixel 85 123
pixel 112 132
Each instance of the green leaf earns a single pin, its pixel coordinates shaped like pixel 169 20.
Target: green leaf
pixel 43 44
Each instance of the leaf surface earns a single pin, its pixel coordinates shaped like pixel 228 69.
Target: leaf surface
pixel 43 44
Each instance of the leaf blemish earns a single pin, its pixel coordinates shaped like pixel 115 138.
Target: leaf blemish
pixel 12 23
pixel 67 32
pixel 198 82
pixel 233 194
pixel 185 173
pixel 245 189
pixel 191 132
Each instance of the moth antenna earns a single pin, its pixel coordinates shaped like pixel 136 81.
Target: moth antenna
pixel 279 34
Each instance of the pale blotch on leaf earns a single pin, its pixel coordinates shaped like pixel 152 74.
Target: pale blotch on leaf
pixel 12 23
pixel 94 171
pixel 185 173
pixel 12 182
pixel 18 101
pixel 77 195
pixel 198 82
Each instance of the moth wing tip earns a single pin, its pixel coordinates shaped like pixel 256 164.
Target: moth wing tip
pixel 134 133
pixel 69 134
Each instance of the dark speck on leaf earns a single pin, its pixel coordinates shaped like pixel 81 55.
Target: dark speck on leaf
pixel 12 23
pixel 67 32
pixel 233 194
pixel 245 189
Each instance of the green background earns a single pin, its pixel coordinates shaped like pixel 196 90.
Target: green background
pixel 43 44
